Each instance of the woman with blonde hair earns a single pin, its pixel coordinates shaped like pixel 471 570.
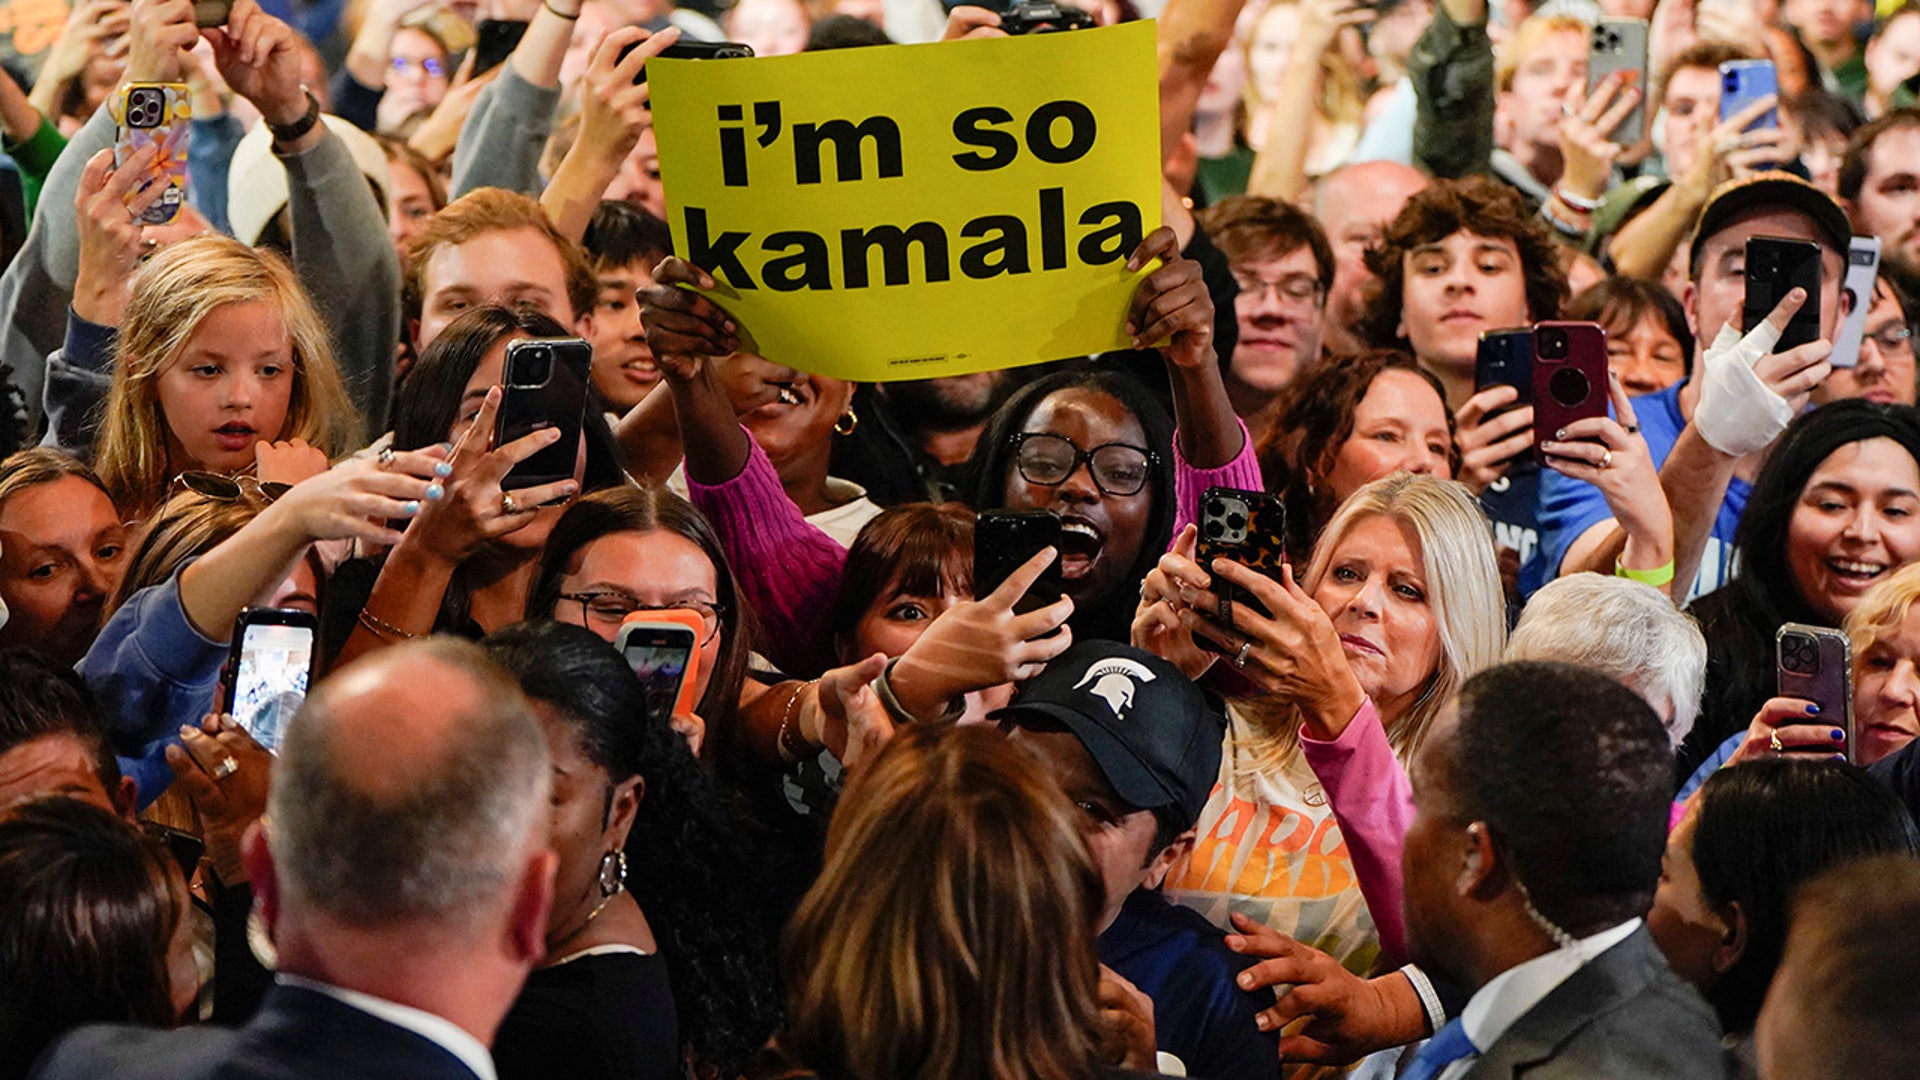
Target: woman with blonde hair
pixel 950 934
pixel 1399 604
pixel 220 350
pixel 1304 106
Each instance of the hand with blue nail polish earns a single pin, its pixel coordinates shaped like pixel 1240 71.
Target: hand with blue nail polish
pixel 1780 729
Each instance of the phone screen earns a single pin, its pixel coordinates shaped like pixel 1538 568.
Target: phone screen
pixel 271 680
pixel 661 667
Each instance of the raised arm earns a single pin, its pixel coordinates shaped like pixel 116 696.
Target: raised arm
pixel 1452 72
pixel 500 144
pixel 613 113
pixel 1280 166
pixel 1192 34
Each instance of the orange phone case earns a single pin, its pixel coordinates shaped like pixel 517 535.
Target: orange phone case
pixel 682 705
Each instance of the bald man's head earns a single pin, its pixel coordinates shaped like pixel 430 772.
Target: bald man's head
pixel 411 787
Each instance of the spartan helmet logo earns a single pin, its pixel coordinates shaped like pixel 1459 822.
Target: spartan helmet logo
pixel 1113 681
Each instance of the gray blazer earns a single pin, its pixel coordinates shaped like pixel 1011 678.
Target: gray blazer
pixel 1625 1015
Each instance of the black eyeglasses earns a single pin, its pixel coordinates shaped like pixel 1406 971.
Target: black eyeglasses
pixel 1117 468
pixel 230 488
pixel 610 609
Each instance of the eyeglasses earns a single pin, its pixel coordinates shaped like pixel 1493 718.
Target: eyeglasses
pixel 432 68
pixel 1294 288
pixel 230 488
pixel 1895 338
pixel 1117 469
pixel 610 609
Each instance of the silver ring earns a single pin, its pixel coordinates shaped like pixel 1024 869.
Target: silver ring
pixel 386 456
pixel 507 506
pixel 1566 110
pixel 227 767
pixel 1240 658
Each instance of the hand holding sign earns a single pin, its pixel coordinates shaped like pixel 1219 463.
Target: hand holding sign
pixel 1172 304
pixel 684 327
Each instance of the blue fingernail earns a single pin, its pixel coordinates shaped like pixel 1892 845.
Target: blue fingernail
pixel 1839 757
pixel 412 508
pixel 1838 735
pixel 435 491
pixel 442 468
pixel 447 446
pixel 1813 710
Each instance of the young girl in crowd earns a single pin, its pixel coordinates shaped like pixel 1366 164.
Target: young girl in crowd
pixel 62 550
pixel 220 350
pixel 468 563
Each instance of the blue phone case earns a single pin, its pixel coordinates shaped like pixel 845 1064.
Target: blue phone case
pixel 1743 82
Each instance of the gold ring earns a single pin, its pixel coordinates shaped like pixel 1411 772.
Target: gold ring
pixel 1773 740
pixel 1606 460
pixel 227 767
pixel 507 505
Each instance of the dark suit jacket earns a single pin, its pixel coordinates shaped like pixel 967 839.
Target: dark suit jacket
pixel 297 1034
pixel 1625 1014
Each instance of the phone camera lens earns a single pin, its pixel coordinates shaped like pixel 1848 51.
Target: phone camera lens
pixel 1553 344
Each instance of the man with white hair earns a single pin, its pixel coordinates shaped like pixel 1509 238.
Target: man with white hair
pixel 405 879
pixel 1625 630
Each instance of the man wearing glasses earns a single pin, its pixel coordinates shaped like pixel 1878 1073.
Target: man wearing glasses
pixel 1885 371
pixel 1283 266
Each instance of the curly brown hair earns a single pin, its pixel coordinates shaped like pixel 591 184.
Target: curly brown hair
pixel 1315 421
pixel 1476 204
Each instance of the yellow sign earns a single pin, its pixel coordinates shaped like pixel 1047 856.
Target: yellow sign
pixel 913 211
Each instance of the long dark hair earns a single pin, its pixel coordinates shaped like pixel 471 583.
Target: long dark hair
pixel 1108 616
pixel 1762 829
pixel 696 871
pixel 428 403
pixel 87 909
pixel 647 509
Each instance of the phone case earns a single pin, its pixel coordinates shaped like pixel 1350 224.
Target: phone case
pixel 494 42
pixel 1249 527
pixel 1569 377
pixel 693 50
pixel 1743 82
pixel 1003 541
pixel 1774 268
pixel 1863 266
pixel 258 711
pixel 647 623
pixel 159 115
pixel 545 386
pixel 1620 44
pixel 1815 663
pixel 1505 358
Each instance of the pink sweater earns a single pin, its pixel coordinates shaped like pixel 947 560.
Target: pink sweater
pixel 1373 801
pixel 788 570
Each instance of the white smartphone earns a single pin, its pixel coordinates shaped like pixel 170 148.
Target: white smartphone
pixel 1863 266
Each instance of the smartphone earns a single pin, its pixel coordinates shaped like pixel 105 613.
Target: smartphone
pixel 156 114
pixel 1816 664
pixel 1743 82
pixel 494 41
pixel 665 655
pixel 1863 267
pixel 1774 268
pixel 1620 44
pixel 1569 377
pixel 1505 358
pixel 693 50
pixel 269 665
pixel 1249 527
pixel 211 12
pixel 1003 541
pixel 545 385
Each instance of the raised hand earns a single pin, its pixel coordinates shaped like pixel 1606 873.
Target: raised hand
pixel 112 238
pixel 159 35
pixel 980 643
pixel 287 462
pixel 225 774
pixel 1350 1017
pixel 355 499
pixel 259 57
pixel 854 725
pixel 613 103
pixel 1157 626
pixel 1792 727
pixel 1172 304
pixel 1489 443
pixel 684 327
pixel 1586 132
pixel 475 509
pixel 1612 455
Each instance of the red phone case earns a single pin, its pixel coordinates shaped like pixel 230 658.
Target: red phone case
pixel 1569 377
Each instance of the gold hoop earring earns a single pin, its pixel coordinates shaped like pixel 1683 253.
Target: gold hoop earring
pixel 849 421
pixel 613 872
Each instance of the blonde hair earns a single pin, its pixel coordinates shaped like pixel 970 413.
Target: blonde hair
pixel 172 295
pixel 1341 100
pixel 950 933
pixel 1463 589
pixel 1883 608
pixel 1527 38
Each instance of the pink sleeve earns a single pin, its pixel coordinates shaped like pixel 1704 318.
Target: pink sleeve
pixel 1189 483
pixel 1373 801
pixel 787 569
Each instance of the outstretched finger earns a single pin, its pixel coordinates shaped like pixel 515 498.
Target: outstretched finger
pixel 1160 244
pixel 1022 579
pixel 479 433
pixel 1623 413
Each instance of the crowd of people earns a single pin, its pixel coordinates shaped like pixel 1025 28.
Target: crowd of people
pixel 1566 747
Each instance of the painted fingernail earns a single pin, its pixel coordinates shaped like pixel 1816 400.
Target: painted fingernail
pixel 446 448
pixel 411 508
pixel 1839 757
pixel 1813 710
pixel 1260 1021
pixel 1561 434
pixel 442 468
pixel 1838 735
pixel 185 730
pixel 435 492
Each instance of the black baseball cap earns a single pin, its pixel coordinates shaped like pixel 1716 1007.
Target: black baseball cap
pixel 1774 190
pixel 1148 727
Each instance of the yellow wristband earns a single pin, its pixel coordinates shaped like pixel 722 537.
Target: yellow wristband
pixel 1659 577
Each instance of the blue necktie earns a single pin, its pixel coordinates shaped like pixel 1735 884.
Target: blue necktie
pixel 1447 1046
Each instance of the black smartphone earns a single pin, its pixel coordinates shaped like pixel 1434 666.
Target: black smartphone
pixel 1774 268
pixel 661 655
pixel 1003 541
pixel 1569 378
pixel 1816 664
pixel 693 50
pixel 494 41
pixel 1043 17
pixel 1249 527
pixel 269 664
pixel 545 386
pixel 1505 358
